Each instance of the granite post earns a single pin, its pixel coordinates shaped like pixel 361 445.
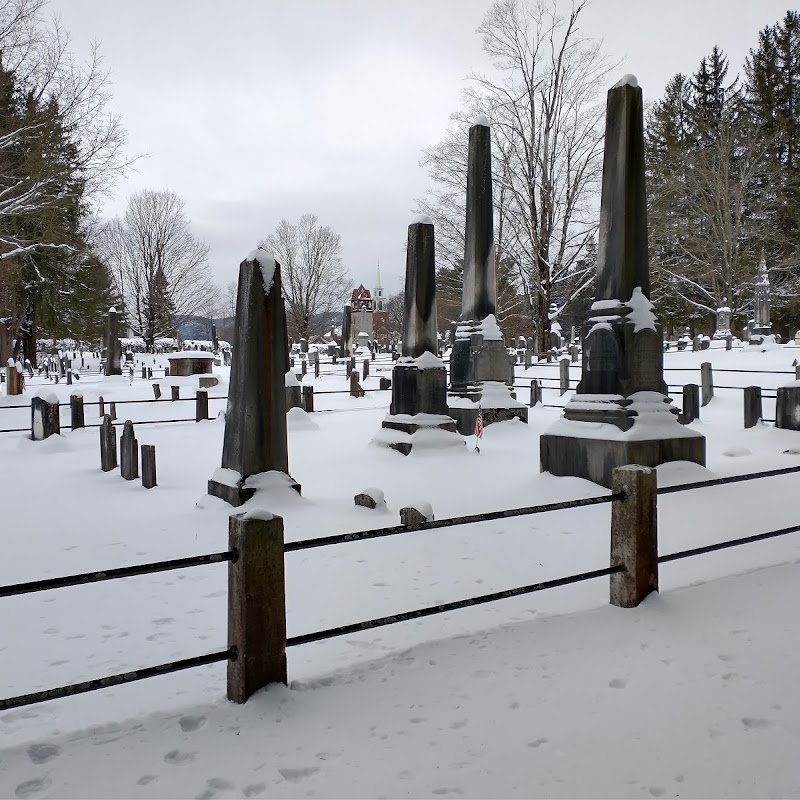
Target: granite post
pixel 255 420
pixel 148 466
pixel 752 406
pixel 707 382
pixel 622 380
pixel 201 405
pixel 76 415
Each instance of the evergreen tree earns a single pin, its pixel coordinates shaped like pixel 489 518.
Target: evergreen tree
pixel 159 310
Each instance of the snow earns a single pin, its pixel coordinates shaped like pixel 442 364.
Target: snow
pixel 291 379
pixel 376 494
pixel 182 354
pixel 531 696
pixel 112 310
pixel 641 313
pixel 626 80
pixel 10 362
pixel 48 395
pixel 422 219
pixel 225 476
pixel 481 119
pixel 267 263
pixel 424 508
pixel 426 361
pixel 259 513
pixel 488 328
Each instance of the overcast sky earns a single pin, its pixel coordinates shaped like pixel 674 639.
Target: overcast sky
pixel 257 110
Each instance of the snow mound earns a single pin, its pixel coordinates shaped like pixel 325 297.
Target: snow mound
pixel 299 420
pixel 626 80
pixel 481 119
pixel 422 219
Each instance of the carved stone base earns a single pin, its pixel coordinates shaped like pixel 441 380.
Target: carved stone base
pixel 408 426
pixel 466 417
pixel 596 459
pixel 236 495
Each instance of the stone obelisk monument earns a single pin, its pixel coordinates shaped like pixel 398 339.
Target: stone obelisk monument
pixel 761 310
pixel 481 373
pixel 419 379
pixel 622 379
pixel 113 363
pixel 255 421
pixel 347 326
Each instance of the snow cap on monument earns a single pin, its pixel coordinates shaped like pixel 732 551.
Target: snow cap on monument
pixel 422 219
pixel 481 119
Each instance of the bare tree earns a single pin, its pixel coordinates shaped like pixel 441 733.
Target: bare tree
pixel 547 140
pixel 315 282
pixel 159 267
pixel 229 299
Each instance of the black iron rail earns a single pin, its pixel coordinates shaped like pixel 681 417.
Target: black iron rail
pixel 771 473
pixel 710 548
pixel 443 608
pixel 115 680
pixel 342 538
pixel 114 574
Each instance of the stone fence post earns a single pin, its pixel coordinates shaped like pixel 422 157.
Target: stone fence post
pixel 108 445
pixel 365 369
pixel 634 535
pixel 256 604
pixel 176 392
pixel 707 382
pixel 536 392
pixel 308 398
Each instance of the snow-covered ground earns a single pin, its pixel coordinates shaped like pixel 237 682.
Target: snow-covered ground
pixel 550 694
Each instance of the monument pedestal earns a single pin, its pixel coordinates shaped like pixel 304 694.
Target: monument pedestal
pixel 230 486
pixel 596 458
pixel 419 391
pixel 481 378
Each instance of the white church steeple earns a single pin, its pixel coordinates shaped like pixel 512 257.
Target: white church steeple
pixel 378 300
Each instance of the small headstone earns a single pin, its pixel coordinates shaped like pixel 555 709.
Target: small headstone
pixel 536 392
pixel 102 406
pixel 207 381
pixel 201 405
pixel 355 386
pixel 564 375
pixel 148 466
pixel 108 445
pixel 308 398
pixel 156 392
pixel 385 383
pixel 76 411
pixel 365 369
pixel 729 342
pixel 45 421
pixel 691 403
pixel 128 453
pixel 415 516
pixel 176 392
pixel 69 377
pixel 752 406
pixel 112 410
pixel 707 382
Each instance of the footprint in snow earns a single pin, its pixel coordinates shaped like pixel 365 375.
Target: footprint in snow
pixel 214 785
pixel 736 452
pixel 42 753
pixel 191 722
pixel 178 758
pixel 756 723
pixel 297 774
pixel 146 779
pixel 656 791
pixel 618 683
pixel 538 742
pixel 31 788
pixel 253 789
pixel 445 790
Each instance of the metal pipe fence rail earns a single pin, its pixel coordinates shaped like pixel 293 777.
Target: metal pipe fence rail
pixel 131 675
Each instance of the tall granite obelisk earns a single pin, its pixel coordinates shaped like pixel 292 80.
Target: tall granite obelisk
pixel 481 372
pixel 255 420
pixel 622 378
pixel 419 378
pixel 113 362
pixel 347 331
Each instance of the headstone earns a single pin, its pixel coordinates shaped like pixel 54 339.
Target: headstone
pixel 729 341
pixel 176 392
pixel 384 383
pixel 355 386
pixel 156 391
pixel 255 422
pixel 316 367
pixel 347 321
pixel 128 453
pixel 76 415
pixel 293 393
pixel 101 406
pixel 622 381
pixel 528 358
pixel 108 445
pixel 409 515
pixel 207 381
pixel 13 378
pixel 536 392
pixel 45 421
pixel 787 408
pixel 113 365
pixel 112 410
pixel 304 345
pixel 723 320
pixel 479 362
pixel 564 375
pixel 365 369
pixel 752 406
pixel 308 399
pixel 214 339
pixel 148 466
pixel 691 403
pixel 201 405
pixel 69 377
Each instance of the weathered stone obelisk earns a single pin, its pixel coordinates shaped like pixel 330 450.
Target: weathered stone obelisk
pixel 113 364
pixel 481 372
pixel 347 320
pixel 255 420
pixel 761 311
pixel 419 378
pixel 622 380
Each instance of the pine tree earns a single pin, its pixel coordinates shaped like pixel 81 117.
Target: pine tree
pixel 159 310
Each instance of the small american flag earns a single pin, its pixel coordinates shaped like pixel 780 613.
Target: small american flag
pixel 479 425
